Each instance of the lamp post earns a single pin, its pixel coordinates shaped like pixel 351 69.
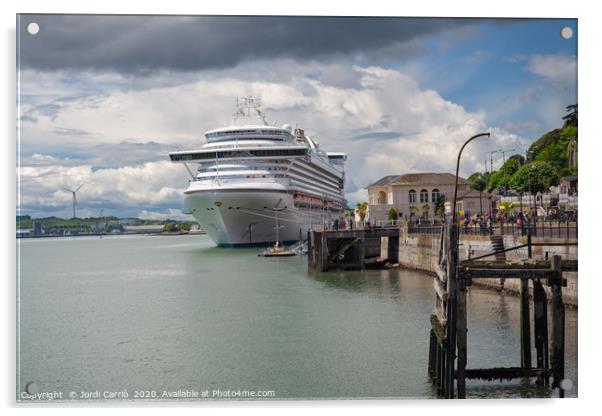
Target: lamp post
pixel 456 302
pixel 503 152
pixel 491 158
pixel 531 171
pixel 458 172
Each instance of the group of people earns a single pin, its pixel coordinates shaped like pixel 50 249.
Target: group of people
pixel 522 220
pixel 341 224
pixel 482 223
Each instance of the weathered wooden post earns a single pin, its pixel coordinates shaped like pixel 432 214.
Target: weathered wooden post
pixel 432 356
pixel 323 256
pixel 440 370
pixel 525 318
pixel 540 302
pixel 310 248
pixel 451 312
pixel 557 325
pixel 452 284
pixel 525 326
pixel 439 335
pixel 461 331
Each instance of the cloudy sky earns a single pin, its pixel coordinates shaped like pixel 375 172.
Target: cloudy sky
pixel 103 99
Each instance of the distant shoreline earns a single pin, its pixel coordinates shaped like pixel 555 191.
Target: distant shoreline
pixel 30 237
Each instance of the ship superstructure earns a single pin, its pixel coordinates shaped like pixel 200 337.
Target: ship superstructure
pixel 251 176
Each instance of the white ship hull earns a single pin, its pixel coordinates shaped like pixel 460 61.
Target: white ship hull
pixel 238 218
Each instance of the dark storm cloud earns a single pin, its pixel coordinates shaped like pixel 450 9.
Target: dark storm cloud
pixel 146 43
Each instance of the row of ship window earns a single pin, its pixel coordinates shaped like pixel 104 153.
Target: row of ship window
pixel 226 169
pixel 238 153
pixel 242 132
pixel 243 177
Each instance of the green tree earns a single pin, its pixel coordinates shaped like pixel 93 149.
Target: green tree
pixel 519 158
pixel 170 227
pixel 440 205
pixel 501 179
pixel 392 214
pixel 555 153
pixel 185 226
pixel 478 182
pixel 544 141
pixel 361 209
pixel 541 176
pixel 571 118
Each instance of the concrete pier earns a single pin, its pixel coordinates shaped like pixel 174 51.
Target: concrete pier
pixel 352 249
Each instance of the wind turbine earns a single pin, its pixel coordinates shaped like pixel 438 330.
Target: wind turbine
pixel 74 192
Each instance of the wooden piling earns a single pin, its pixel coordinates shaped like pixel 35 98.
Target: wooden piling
pixel 451 313
pixel 310 248
pixel 440 365
pixel 432 356
pixel 461 332
pixel 556 282
pixel 323 252
pixel 525 316
pixel 525 324
pixel 540 310
pixel 449 322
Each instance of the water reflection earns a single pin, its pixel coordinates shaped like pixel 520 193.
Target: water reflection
pixel 523 389
pixel 381 281
pixel 493 325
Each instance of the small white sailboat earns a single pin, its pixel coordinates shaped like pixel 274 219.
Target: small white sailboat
pixel 278 250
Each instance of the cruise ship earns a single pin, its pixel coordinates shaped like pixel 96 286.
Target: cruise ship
pixel 253 183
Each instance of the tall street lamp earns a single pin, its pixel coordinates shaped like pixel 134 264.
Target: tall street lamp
pixel 493 152
pixel 531 171
pixel 458 172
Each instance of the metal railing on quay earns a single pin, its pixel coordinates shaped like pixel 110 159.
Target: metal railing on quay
pixel 543 229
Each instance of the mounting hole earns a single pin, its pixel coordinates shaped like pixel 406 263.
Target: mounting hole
pixel 32 388
pixel 33 28
pixel 566 384
pixel 566 32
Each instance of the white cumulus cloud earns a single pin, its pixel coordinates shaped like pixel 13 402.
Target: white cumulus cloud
pixel 146 185
pixel 557 68
pixel 385 121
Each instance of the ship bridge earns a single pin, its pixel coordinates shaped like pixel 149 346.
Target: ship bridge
pixel 250 132
pixel 240 153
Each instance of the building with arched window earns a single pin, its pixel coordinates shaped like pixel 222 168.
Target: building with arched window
pixel 413 195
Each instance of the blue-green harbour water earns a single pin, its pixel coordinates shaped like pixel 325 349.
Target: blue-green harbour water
pixel 146 314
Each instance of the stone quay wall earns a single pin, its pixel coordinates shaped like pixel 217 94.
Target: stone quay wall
pixel 421 252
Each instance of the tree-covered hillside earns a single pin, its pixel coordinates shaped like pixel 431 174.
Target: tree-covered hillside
pixel 547 160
